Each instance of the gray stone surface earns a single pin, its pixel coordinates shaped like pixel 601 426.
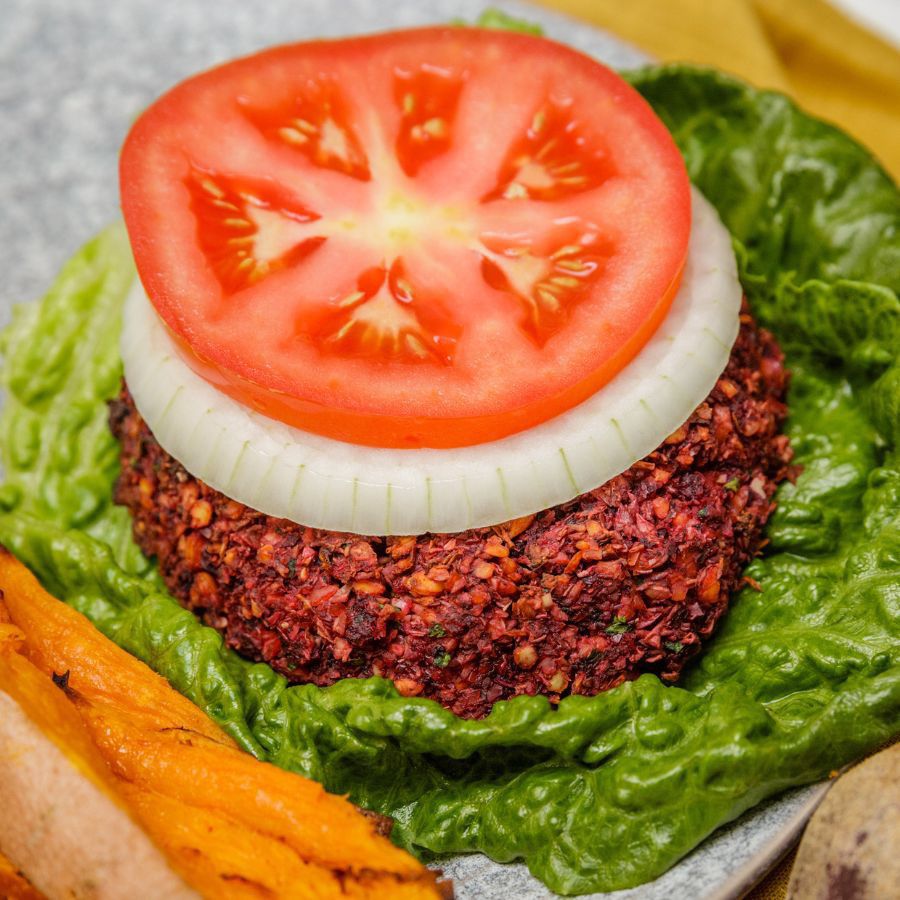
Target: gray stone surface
pixel 75 73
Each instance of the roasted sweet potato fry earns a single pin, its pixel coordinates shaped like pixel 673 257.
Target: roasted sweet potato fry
pixel 230 825
pixel 13 885
pixel 61 819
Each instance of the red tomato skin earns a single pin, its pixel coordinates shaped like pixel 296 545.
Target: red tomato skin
pixel 246 344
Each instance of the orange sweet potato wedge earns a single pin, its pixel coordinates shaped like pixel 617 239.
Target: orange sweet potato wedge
pixel 61 819
pixel 14 885
pixel 229 825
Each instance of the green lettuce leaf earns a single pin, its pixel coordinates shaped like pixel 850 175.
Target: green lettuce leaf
pixel 497 18
pixel 603 792
pixel 805 200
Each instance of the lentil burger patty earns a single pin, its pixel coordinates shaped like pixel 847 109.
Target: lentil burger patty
pixel 628 578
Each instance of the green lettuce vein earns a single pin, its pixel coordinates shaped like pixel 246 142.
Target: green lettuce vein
pixel 603 792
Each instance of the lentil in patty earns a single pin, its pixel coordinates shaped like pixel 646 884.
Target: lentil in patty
pixel 629 578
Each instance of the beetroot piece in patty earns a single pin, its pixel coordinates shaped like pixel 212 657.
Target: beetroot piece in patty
pixel 628 578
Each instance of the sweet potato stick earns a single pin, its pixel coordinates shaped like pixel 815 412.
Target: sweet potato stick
pixel 229 824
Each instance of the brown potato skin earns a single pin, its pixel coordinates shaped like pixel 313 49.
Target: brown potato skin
pixel 850 848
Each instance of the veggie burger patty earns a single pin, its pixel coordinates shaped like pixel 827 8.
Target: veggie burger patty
pixel 628 578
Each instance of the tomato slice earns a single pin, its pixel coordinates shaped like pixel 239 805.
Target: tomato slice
pixel 426 238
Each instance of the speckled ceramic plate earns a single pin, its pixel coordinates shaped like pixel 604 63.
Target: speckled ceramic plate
pixel 73 75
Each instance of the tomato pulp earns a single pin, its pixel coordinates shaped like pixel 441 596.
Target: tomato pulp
pixel 426 238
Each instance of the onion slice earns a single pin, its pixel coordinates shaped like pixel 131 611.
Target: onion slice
pixel 324 483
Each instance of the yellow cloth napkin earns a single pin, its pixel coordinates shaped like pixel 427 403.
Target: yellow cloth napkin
pixel 831 66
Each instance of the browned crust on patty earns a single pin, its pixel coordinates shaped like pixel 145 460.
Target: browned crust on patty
pixel 628 578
